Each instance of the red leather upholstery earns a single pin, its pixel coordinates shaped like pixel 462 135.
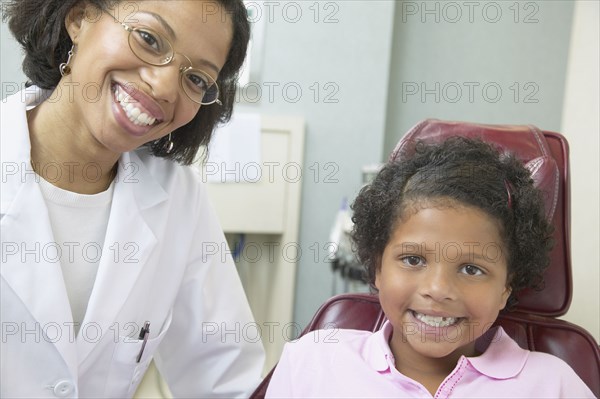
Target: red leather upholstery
pixel 568 341
pixel 532 324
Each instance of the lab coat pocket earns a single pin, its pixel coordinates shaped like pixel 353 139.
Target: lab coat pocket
pixel 125 371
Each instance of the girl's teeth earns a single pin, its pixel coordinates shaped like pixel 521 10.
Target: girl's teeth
pixel 436 321
pixel 135 115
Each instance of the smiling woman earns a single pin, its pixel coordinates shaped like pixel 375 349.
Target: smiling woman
pixel 224 28
pixel 121 94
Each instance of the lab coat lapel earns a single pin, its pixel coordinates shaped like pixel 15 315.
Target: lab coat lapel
pixel 30 265
pixel 128 246
pixel 25 222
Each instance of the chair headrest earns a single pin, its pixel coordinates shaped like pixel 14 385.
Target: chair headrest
pixel 526 142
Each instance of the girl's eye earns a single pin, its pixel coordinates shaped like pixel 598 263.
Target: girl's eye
pixel 412 261
pixel 472 270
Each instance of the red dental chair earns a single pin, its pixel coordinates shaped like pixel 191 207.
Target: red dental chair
pixel 532 323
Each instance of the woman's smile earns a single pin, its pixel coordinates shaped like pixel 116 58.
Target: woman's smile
pixel 134 111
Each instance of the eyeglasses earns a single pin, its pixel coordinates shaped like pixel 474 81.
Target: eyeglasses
pixel 154 49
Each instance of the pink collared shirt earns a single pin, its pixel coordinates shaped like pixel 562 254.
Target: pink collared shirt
pixel 360 364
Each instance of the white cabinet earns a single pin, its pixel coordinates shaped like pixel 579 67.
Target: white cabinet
pixel 267 213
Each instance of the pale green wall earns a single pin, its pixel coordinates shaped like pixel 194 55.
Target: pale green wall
pixel 475 51
pixel 11 75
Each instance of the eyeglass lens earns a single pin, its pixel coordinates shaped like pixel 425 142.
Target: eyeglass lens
pixel 151 47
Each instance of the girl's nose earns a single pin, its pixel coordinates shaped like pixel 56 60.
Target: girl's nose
pixel 437 283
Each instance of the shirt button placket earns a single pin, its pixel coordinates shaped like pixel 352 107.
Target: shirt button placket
pixel 450 382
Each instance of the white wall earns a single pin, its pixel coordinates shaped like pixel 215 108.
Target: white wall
pixel 581 126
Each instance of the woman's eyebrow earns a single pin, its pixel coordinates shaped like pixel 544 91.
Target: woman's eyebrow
pixel 171 32
pixel 164 23
pixel 211 66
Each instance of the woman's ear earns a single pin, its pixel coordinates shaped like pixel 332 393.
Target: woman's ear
pixel 74 20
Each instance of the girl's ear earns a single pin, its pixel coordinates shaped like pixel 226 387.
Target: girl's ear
pixel 377 281
pixel 506 295
pixel 507 290
pixel 74 20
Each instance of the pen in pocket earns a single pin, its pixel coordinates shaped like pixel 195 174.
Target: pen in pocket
pixel 144 333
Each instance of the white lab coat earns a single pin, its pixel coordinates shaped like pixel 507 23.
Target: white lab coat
pixel 164 260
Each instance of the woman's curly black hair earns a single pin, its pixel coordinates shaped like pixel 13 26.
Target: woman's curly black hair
pixel 39 27
pixel 464 171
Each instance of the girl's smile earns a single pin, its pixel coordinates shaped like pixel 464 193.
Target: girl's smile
pixel 435 321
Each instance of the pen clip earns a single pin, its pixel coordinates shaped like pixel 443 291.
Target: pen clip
pixel 144 333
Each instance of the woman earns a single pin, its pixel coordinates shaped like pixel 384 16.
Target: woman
pixel 104 236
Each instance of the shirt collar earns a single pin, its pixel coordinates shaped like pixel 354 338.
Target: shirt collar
pixel 377 352
pixel 502 357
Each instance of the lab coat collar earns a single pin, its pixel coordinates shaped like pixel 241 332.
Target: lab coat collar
pixel 26 232
pixel 15 147
pixel 38 282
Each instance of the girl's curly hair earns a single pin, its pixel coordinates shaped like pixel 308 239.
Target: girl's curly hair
pixel 464 171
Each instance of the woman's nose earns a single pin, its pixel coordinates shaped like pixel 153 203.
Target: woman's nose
pixel 163 81
pixel 437 283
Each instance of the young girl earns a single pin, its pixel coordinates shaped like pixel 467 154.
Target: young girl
pixel 448 236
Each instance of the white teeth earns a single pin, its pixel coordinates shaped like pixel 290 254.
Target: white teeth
pixel 135 115
pixel 135 112
pixel 434 321
pixel 143 118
